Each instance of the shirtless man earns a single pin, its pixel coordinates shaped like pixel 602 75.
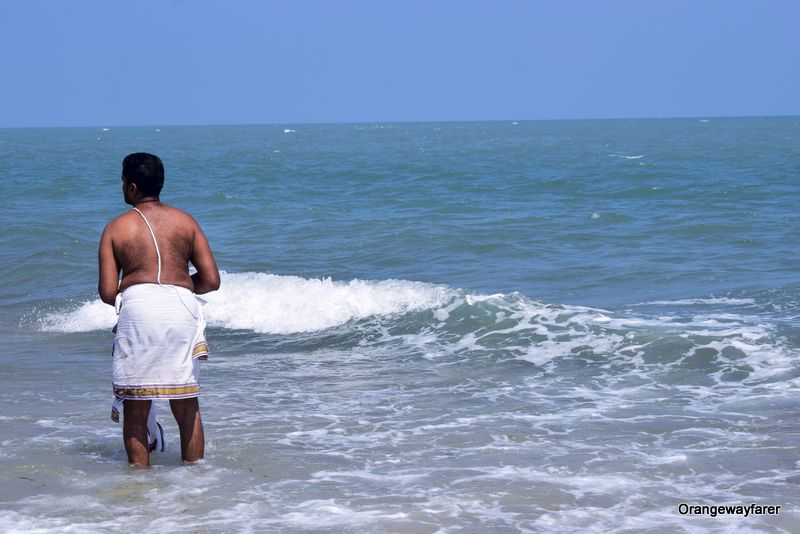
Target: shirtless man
pixel 144 258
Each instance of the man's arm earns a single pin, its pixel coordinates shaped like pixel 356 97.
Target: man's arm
pixel 108 283
pixel 206 279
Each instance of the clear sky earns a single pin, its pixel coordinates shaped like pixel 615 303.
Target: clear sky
pixel 168 62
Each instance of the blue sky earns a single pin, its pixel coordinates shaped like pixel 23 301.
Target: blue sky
pixel 162 62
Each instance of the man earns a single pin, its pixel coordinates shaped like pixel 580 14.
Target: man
pixel 144 258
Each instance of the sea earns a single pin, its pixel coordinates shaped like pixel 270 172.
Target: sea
pixel 457 327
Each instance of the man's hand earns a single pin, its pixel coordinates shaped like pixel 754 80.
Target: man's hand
pixel 206 279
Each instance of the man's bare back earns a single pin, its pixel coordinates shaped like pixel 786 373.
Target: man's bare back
pixel 127 243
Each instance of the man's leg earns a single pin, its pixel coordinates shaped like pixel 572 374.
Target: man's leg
pixel 187 415
pixel 134 431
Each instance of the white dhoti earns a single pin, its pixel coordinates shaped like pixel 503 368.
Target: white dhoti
pixel 160 338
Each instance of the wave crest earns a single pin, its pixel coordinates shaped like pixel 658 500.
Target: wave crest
pixel 268 303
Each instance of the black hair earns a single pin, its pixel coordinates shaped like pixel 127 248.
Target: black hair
pixel 146 171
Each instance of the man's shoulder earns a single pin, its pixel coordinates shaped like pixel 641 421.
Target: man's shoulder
pixel 179 216
pixel 177 211
pixel 120 220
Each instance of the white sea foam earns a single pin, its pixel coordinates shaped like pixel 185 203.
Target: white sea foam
pixel 329 513
pixel 363 474
pixel 268 303
pixel 472 299
pixel 88 316
pixel 623 156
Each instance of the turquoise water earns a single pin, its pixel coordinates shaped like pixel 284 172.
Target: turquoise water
pixel 501 326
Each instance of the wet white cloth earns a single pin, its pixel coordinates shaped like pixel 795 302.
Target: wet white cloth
pixel 155 432
pixel 159 342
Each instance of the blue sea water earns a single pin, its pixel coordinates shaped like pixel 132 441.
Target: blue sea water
pixel 435 327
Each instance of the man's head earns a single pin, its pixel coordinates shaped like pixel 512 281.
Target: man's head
pixel 144 170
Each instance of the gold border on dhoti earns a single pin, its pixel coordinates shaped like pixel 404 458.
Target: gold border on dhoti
pixel 149 392
pixel 200 350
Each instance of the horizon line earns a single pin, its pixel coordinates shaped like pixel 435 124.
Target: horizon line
pixel 428 121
